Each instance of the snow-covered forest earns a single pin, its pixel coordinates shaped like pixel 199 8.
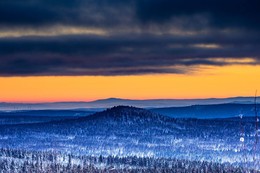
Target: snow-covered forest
pixel 12 161
pixel 128 139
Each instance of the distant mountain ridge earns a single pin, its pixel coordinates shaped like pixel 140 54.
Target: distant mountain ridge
pixel 226 110
pixel 110 102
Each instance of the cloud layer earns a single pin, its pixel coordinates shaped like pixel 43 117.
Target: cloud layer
pixel 110 37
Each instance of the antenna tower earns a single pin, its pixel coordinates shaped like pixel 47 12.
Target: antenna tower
pixel 256 127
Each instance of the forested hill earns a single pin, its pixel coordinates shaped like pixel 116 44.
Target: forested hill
pixel 127 114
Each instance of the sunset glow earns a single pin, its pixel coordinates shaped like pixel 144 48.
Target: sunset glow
pixel 217 82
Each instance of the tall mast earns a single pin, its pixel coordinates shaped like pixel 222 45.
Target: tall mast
pixel 242 133
pixel 242 138
pixel 256 126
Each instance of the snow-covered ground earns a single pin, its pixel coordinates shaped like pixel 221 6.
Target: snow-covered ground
pixel 127 131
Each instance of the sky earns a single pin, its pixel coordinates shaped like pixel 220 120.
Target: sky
pixel 84 50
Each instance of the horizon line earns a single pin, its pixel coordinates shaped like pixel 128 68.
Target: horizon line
pixel 117 98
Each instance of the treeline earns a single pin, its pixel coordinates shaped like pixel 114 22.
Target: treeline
pixel 19 161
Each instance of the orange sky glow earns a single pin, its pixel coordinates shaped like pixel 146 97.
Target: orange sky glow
pixel 206 82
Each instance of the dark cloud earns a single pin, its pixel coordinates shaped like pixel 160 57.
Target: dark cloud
pixel 116 55
pixel 219 13
pixel 19 13
pixel 143 36
pixel 38 13
pixel 108 13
